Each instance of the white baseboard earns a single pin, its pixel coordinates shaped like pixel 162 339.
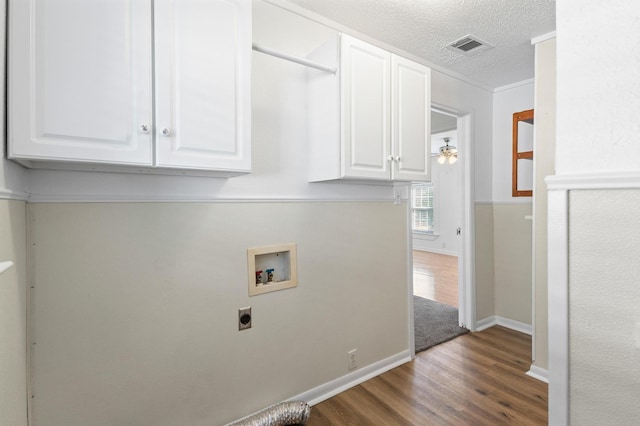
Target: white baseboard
pixel 485 323
pixel 325 391
pixel 538 373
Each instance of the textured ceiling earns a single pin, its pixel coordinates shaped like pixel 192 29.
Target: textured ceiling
pixel 424 27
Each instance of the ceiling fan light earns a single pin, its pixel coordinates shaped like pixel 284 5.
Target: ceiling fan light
pixel 447 153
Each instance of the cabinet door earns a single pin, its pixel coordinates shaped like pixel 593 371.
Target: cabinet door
pixel 80 80
pixel 203 104
pixel 411 112
pixel 365 101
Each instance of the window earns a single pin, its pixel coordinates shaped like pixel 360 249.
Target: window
pixel 422 207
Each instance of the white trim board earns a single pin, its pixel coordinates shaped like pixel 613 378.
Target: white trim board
pixel 543 37
pixel 325 391
pixel 4 266
pixel 594 181
pixel 8 194
pixel 558 305
pixel 538 373
pixel 196 198
pixel 514 85
pixel 503 203
pixel 488 322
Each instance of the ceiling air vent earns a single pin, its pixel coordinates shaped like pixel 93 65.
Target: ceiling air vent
pixel 469 45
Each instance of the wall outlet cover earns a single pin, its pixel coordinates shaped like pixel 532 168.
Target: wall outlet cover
pixel 244 318
pixel 353 359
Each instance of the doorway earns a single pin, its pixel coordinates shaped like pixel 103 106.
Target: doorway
pixel 441 261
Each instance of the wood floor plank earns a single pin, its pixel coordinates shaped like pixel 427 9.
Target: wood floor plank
pixel 435 277
pixel 475 379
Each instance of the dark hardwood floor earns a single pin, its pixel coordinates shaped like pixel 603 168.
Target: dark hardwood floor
pixel 475 379
pixel 435 277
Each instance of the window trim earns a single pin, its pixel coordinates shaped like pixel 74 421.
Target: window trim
pixel 434 229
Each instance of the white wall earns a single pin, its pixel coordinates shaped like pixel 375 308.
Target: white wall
pixel 598 105
pixel 506 101
pixel 597 95
pixel 447 212
pixel 448 203
pixel 465 98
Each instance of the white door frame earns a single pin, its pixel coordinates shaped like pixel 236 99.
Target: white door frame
pixel 466 256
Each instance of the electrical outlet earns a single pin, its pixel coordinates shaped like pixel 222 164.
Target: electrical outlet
pixel 353 359
pixel 244 318
pixel 397 197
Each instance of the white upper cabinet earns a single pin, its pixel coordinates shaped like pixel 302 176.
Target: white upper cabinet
pixel 82 92
pixel 370 120
pixel 366 130
pixel 80 81
pixel 410 119
pixel 203 99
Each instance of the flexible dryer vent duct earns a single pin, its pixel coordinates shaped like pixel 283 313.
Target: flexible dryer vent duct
pixel 282 414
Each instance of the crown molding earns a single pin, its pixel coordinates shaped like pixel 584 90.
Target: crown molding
pixel 543 37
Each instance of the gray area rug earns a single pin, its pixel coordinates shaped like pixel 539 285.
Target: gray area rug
pixel 434 323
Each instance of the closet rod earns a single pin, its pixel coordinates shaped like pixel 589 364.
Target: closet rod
pixel 301 61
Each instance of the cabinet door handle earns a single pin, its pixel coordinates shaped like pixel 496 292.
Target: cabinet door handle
pixel 390 158
pixel 144 128
pixel 165 131
pixel 398 159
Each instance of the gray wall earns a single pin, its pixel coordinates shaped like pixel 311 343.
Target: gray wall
pixel 603 307
pixel 13 314
pixel 135 307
